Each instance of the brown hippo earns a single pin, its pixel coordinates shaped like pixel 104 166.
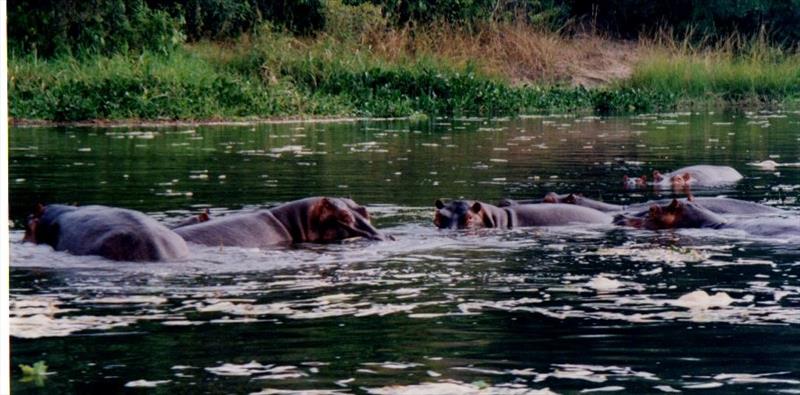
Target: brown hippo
pixel 115 233
pixel 676 214
pixel 688 214
pixel 310 220
pixel 473 214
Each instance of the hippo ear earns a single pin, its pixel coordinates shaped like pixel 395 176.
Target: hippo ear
pixel 38 210
pixel 643 179
pixel 476 207
pixel 625 178
pixel 204 216
pixel 550 198
pixel 687 176
pixel 571 199
pixel 656 175
pixel 674 204
pixel 439 204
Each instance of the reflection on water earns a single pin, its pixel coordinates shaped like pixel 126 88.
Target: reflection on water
pixel 527 311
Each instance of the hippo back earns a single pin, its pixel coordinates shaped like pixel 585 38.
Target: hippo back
pixel 788 227
pixel 704 175
pixel 114 233
pixel 557 214
pixel 717 205
pixel 253 230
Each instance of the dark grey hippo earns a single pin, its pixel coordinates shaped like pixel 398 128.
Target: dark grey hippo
pixel 571 198
pixel 115 233
pixel 473 214
pixel 718 205
pixel 310 220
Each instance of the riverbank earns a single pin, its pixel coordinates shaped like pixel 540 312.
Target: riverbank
pixel 495 70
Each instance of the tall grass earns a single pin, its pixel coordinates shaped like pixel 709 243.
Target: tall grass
pixel 735 70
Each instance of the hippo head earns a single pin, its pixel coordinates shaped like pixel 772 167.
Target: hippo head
pixel 635 182
pixel 459 214
pixel 674 215
pixel 42 226
pixel 32 224
pixel 335 219
pixel 551 197
pixel 681 181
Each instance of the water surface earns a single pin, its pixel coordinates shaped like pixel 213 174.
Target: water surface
pixel 562 310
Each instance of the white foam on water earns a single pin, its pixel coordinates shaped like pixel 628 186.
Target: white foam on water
pixel 454 387
pixel 146 383
pixel 610 388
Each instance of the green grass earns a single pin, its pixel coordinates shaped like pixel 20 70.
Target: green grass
pixel 756 76
pixel 274 74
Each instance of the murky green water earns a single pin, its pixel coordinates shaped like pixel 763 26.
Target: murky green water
pixel 570 309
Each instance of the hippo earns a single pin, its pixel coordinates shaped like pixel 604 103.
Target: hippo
pixel 572 198
pixel 473 214
pixel 676 214
pixel 115 233
pixel 634 182
pixel 688 214
pixel 310 220
pixel 717 205
pixel 698 175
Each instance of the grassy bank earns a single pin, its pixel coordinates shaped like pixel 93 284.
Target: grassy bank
pixel 491 70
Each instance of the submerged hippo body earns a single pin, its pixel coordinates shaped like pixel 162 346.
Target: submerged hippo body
pixel 676 214
pixel 717 205
pixel 575 199
pixel 114 233
pixel 314 220
pixel 698 176
pixel 684 214
pixel 469 214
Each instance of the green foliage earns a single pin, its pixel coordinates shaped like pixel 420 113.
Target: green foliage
pixel 346 22
pixel 87 27
pixel 720 76
pixel 180 86
pixel 551 13
pixel 36 373
pixel 224 19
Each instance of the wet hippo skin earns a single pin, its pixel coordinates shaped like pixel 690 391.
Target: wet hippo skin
pixel 698 175
pixel 114 233
pixel 718 205
pixel 683 214
pixel 571 198
pixel 473 214
pixel 310 220
pixel 199 218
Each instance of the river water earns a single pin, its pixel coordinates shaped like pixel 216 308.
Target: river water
pixel 527 311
